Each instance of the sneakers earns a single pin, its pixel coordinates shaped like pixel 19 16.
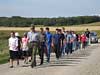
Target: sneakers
pixel 40 64
pixel 30 60
pixel 57 61
pixel 17 63
pixel 11 66
pixel 33 65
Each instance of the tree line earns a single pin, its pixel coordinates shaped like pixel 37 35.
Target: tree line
pixel 17 21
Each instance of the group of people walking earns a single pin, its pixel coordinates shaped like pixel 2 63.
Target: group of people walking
pixel 42 42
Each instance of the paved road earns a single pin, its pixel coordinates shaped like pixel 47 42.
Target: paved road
pixel 81 62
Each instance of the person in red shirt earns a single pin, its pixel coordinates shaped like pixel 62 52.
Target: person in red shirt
pixel 79 40
pixel 83 40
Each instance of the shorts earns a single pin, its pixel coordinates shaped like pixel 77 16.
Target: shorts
pixel 30 51
pixel 13 54
pixel 25 53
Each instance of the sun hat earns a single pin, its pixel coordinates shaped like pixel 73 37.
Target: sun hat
pixel 16 34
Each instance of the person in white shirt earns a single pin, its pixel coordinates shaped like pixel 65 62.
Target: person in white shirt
pixel 74 40
pixel 13 49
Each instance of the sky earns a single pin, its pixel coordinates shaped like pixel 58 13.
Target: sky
pixel 49 8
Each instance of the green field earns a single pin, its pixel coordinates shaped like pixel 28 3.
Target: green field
pixel 4 51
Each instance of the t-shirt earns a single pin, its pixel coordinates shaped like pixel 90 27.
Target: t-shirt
pixel 74 35
pixel 57 38
pixel 87 33
pixel 42 37
pixel 13 43
pixel 33 36
pixel 25 44
pixel 77 37
pixel 69 38
pixel 65 34
pixel 83 38
pixel 62 38
pixel 48 37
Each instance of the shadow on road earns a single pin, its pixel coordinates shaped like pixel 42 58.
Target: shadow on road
pixel 66 61
pixel 71 60
pixel 63 62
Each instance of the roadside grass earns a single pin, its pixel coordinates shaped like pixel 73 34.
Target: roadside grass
pixel 4 53
pixel 4 58
pixel 4 50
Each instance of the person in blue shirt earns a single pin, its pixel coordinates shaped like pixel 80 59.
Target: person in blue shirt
pixel 48 43
pixel 69 39
pixel 57 43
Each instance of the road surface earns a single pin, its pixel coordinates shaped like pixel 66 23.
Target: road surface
pixel 81 62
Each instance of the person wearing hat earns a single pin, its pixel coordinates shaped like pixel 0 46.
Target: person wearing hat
pixel 19 45
pixel 16 34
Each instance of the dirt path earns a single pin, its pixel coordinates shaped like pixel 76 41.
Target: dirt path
pixel 81 62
